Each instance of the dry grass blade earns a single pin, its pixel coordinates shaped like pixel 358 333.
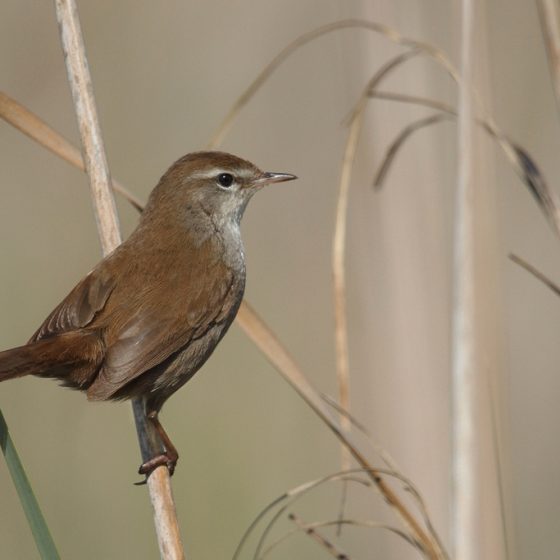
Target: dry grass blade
pixel 31 125
pixel 254 523
pixel 549 12
pixel 498 452
pixel 290 498
pixel 536 273
pixel 390 462
pixel 343 412
pixel 388 32
pixel 521 161
pixel 547 199
pixel 320 539
pixel 405 133
pixel 394 470
pixel 361 523
pixel 413 99
pixel 311 530
pixel 159 485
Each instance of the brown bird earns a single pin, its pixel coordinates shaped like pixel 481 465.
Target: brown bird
pixel 149 315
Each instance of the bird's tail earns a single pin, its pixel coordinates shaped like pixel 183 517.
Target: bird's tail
pixel 73 357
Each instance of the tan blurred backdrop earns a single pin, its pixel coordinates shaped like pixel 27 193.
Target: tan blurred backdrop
pixel 164 74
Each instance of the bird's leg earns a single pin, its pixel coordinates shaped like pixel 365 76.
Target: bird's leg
pixel 168 458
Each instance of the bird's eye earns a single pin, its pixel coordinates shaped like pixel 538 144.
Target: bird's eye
pixel 225 180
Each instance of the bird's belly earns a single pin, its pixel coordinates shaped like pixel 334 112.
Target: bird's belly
pixel 173 373
pixel 185 363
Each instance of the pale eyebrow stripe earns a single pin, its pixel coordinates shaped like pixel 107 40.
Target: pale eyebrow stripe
pixel 210 173
pixel 215 171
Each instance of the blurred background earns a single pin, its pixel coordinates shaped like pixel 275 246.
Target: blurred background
pixel 165 74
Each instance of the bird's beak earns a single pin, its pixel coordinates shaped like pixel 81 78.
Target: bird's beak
pixel 274 178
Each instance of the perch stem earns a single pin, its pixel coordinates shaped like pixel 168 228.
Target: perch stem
pixel 159 484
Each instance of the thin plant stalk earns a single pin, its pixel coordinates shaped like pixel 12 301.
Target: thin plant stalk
pixel 396 145
pixel 31 125
pixel 339 243
pixel 549 12
pixel 465 512
pixel 159 484
pixel 338 252
pixel 38 525
pixel 388 32
pixel 536 273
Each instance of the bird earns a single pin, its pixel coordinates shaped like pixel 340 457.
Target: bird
pixel 149 315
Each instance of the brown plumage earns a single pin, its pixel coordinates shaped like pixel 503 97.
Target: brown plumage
pixel 147 317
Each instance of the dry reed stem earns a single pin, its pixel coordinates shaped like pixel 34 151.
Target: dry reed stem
pixel 94 153
pixel 549 12
pixel 159 485
pixel 257 331
pixel 31 125
pixel 465 513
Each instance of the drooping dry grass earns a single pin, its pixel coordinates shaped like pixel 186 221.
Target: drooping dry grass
pixel 285 504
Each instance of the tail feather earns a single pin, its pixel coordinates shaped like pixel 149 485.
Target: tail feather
pixel 73 357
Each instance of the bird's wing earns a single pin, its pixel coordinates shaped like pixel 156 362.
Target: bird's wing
pixel 80 306
pixel 152 333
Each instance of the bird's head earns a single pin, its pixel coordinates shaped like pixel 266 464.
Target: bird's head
pixel 216 183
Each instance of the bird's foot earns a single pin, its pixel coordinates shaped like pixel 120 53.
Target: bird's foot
pixel 163 459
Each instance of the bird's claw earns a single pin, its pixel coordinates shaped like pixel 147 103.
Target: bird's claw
pixel 152 464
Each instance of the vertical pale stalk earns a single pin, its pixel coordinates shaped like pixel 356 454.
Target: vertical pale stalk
pixel 339 282
pixel 549 12
pixel 90 133
pixel 159 485
pixel 465 510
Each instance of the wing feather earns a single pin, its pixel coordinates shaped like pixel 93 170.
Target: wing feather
pixel 80 307
pixel 152 334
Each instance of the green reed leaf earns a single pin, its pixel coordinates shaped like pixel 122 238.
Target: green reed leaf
pixel 37 523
